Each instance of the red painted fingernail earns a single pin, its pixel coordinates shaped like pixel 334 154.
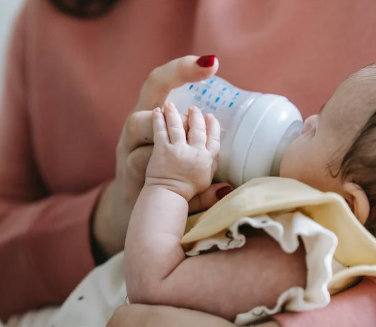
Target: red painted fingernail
pixel 222 192
pixel 206 61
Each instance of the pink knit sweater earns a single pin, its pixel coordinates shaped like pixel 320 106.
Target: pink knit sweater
pixel 71 83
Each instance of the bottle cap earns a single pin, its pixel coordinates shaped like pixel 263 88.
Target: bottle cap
pixel 270 124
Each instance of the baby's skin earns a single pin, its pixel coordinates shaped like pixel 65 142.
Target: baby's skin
pixel 157 271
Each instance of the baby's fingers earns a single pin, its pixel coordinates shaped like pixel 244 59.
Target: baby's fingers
pixel 174 123
pixel 196 128
pixel 213 134
pixel 159 128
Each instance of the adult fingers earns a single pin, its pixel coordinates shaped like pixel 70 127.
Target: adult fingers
pixel 209 197
pixel 135 163
pixel 138 131
pixel 169 76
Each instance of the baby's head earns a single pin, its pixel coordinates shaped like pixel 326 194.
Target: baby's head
pixel 337 149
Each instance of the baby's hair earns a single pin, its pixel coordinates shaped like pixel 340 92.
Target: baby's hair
pixel 359 163
pixel 84 8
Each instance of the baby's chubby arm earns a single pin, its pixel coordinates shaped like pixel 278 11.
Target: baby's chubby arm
pixel 156 271
pixel 182 164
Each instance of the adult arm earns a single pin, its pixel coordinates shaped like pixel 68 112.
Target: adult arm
pixel 140 315
pixel 352 308
pixel 45 247
pixel 44 240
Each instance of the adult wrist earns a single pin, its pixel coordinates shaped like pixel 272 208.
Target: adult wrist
pixel 103 225
pixel 100 255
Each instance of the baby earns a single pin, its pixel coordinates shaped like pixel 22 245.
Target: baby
pixel 333 154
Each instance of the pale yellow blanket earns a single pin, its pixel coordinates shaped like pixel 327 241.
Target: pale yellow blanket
pixel 356 246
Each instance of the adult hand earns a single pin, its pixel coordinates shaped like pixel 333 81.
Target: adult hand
pixel 110 220
pixel 140 315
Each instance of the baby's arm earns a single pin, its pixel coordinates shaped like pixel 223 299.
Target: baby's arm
pixel 224 282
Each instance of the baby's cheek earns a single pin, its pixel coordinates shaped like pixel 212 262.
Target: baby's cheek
pixel 288 162
pixel 283 170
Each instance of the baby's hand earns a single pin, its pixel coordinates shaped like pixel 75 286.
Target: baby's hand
pixel 183 162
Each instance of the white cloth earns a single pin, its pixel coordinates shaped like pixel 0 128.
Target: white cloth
pixel 35 318
pixel 93 302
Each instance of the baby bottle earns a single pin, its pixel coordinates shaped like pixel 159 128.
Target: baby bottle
pixel 256 128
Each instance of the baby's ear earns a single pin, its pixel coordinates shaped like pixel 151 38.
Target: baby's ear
pixel 357 200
